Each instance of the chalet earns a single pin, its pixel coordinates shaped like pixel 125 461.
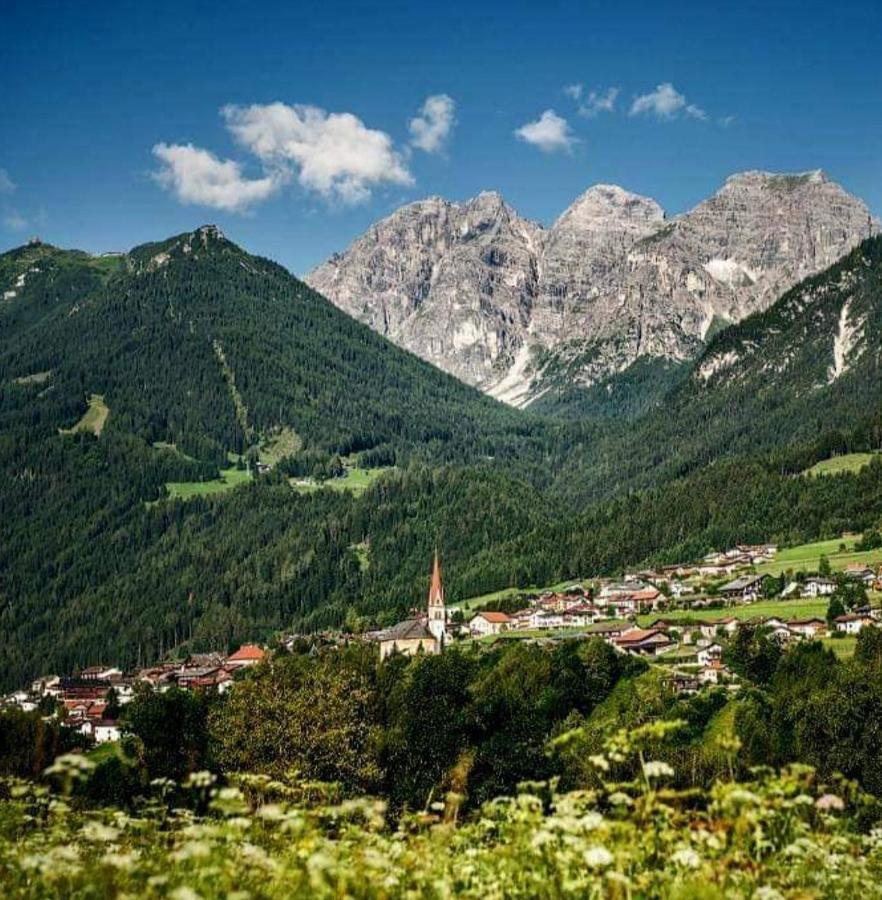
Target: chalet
pixel 710 653
pixel 681 683
pixel 818 587
pixel 807 628
pixel 681 589
pixel 643 642
pixel 647 598
pixel 852 623
pixel 246 655
pixel 859 572
pixel 423 634
pixel 713 673
pixel 609 631
pixel 546 618
pixel 746 588
pixel 489 623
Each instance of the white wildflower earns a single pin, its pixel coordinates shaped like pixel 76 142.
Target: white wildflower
pixel 657 769
pixel 598 857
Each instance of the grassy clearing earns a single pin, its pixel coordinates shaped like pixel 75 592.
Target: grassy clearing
pixel 836 465
pixel 808 556
pixel 363 551
pixel 843 647
pixel 786 609
pixel 281 443
pixel 356 480
pixel 229 479
pixel 94 418
pixel 35 378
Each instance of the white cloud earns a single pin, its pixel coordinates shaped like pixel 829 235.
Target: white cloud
pixel 574 91
pixel 334 154
pixel 599 101
pixel 7 185
pixel 431 128
pixel 550 133
pixel 13 220
pixel 665 102
pixel 726 121
pixel 197 176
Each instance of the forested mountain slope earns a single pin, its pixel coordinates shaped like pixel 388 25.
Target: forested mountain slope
pixel 197 343
pixel 808 366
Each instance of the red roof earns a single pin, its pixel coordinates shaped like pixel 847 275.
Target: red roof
pixel 645 594
pixel 247 653
pixel 497 617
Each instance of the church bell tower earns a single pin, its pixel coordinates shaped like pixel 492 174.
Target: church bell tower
pixel 437 623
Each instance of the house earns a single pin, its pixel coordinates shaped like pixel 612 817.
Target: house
pixel 710 653
pixel 681 589
pixel 860 572
pixel 729 624
pixel 681 683
pixel 746 588
pixel 643 642
pixel 648 598
pixel 807 628
pixel 100 673
pixel 423 634
pixel 246 655
pixel 713 673
pixel 852 623
pixel 818 587
pixel 485 623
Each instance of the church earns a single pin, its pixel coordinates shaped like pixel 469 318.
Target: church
pixel 424 633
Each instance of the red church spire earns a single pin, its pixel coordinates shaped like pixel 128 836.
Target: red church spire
pixel 436 589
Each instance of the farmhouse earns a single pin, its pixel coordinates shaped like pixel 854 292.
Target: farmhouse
pixel 643 642
pixel 808 628
pixel 747 588
pixel 818 587
pixel 485 623
pixel 852 623
pixel 246 655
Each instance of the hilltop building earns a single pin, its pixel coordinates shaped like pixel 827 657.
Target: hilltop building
pixel 425 633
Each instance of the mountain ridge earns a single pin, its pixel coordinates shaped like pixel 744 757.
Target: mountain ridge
pixel 518 310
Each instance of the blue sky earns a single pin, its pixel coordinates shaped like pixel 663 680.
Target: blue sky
pixel 293 125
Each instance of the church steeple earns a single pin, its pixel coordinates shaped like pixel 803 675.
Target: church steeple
pixel 437 615
pixel 436 588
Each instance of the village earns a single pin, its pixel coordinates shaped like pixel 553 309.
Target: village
pixel 679 617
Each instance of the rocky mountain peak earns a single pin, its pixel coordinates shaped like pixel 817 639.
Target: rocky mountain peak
pixel 603 204
pixel 510 307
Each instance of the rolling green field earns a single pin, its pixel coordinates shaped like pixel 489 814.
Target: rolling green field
pixel 94 418
pixel 807 556
pixel 848 462
pixel 229 478
pixel 785 609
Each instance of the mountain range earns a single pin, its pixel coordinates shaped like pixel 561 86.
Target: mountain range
pixel 526 313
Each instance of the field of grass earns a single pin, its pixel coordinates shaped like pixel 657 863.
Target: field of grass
pixel 229 478
pixel 94 418
pixel 848 462
pixel 843 647
pixel 786 609
pixel 807 556
pixel 357 481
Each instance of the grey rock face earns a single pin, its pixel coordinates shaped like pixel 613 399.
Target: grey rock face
pixel 512 308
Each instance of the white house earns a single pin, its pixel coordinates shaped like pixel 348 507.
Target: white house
pixel 818 587
pixel 710 653
pixel 489 623
pixel 852 623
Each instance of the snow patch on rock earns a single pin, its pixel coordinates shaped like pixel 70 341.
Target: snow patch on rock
pixel 730 272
